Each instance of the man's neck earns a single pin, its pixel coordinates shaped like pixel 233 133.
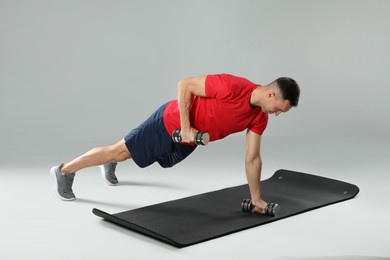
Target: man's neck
pixel 256 96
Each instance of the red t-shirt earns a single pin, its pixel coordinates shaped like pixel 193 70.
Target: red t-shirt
pixel 225 110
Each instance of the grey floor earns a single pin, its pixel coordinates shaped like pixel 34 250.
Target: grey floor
pixel 35 224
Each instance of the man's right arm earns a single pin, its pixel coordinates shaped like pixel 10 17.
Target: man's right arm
pixel 186 89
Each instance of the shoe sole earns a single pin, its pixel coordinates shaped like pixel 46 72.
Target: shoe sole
pixel 104 176
pixel 53 174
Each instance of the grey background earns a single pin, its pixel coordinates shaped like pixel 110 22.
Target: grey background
pixel 77 74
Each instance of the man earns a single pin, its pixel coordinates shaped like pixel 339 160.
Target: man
pixel 217 104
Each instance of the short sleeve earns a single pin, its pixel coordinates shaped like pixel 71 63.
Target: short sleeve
pixel 259 125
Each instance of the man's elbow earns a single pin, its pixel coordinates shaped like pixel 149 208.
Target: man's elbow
pixel 253 161
pixel 182 84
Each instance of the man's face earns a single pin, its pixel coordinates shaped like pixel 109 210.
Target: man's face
pixel 276 105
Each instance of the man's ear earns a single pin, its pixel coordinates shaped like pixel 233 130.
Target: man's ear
pixel 271 93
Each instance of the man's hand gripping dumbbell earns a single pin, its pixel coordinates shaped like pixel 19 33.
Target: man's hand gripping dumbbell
pixel 270 209
pixel 201 138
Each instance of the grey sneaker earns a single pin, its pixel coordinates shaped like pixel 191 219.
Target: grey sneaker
pixel 108 173
pixel 63 183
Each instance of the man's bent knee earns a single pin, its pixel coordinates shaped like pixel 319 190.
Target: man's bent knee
pixel 123 156
pixel 120 151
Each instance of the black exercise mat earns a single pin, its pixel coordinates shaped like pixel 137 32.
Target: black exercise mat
pixel 198 218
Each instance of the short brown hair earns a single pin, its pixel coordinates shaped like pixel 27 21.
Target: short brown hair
pixel 289 90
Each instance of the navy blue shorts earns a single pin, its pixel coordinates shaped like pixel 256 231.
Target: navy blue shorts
pixel 150 142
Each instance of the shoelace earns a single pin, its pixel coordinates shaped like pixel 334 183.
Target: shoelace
pixel 69 182
pixel 109 173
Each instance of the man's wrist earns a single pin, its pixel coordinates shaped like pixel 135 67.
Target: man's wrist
pixel 185 126
pixel 256 200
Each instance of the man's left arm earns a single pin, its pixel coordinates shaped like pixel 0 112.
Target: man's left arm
pixel 253 166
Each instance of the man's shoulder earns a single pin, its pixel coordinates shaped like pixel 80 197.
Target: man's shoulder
pixel 226 78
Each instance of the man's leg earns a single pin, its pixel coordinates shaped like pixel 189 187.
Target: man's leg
pixel 98 156
pixel 64 173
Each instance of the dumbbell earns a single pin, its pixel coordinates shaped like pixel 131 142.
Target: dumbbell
pixel 201 138
pixel 273 209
